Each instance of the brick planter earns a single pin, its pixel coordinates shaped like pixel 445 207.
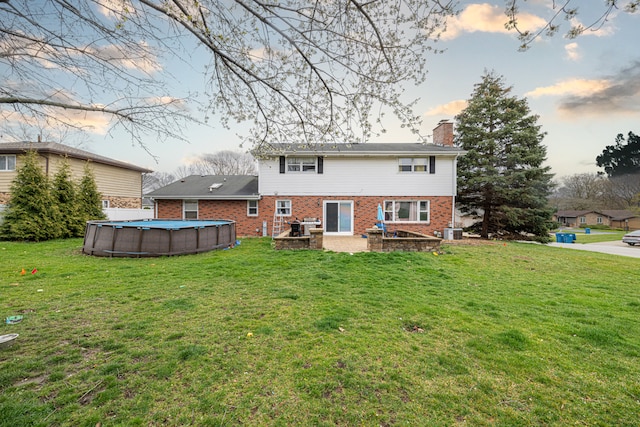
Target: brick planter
pixel 406 241
pixel 313 241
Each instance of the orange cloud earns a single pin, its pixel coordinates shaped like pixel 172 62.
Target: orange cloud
pixel 488 18
pixel 571 87
pixel 449 109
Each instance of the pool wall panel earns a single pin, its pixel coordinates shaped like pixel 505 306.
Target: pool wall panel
pixel 159 238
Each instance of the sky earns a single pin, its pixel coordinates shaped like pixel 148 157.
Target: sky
pixel 584 90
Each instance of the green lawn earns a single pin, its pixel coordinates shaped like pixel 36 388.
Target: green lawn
pixel 499 334
pixel 600 236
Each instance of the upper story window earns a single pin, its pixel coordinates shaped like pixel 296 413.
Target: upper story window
pixel 190 209
pixel 413 164
pixel 7 162
pixel 406 210
pixel 301 164
pixel 417 164
pixel 105 204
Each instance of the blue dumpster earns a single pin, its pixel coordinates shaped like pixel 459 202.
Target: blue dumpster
pixel 587 231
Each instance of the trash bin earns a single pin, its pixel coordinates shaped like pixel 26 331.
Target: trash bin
pixel 587 231
pixel 559 237
pixel 570 238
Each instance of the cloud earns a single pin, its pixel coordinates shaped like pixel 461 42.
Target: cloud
pixel 571 87
pixel 449 109
pixel 572 52
pixel 488 18
pixel 615 94
pixel 115 8
pixel 597 30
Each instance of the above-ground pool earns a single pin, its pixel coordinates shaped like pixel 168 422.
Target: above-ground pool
pixel 154 237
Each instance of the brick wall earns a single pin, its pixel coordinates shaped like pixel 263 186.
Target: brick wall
pixel 365 211
pixel 235 210
pixel 124 202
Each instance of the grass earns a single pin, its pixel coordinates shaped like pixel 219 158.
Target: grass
pixel 497 334
pixel 601 236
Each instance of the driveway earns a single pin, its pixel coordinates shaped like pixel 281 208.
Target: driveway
pixel 611 248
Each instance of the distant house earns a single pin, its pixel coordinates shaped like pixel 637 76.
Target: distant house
pixel 338 187
pixel 119 183
pixel 612 218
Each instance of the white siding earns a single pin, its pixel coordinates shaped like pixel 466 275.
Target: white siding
pixel 115 214
pixel 370 176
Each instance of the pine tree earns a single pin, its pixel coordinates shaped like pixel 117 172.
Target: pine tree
pixel 501 178
pixel 65 196
pixel 89 198
pixel 32 213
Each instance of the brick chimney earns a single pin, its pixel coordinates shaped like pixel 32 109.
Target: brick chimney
pixel 443 133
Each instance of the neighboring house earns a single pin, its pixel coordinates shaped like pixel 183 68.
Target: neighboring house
pixel 610 218
pixel 339 185
pixel 119 183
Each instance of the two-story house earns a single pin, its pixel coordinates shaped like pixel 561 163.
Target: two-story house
pixel 340 186
pixel 119 183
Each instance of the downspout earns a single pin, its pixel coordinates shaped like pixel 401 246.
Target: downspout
pixel 453 191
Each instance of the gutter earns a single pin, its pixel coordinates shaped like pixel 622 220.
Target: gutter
pixel 202 197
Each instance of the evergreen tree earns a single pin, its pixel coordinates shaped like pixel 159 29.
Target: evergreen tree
pixel 501 178
pixel 623 158
pixel 32 213
pixel 64 194
pixel 89 198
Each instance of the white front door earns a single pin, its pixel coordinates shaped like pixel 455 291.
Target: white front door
pixel 338 217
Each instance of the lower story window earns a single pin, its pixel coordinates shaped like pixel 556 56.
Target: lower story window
pixel 599 220
pixel 105 204
pixel 8 162
pixel 283 207
pixel 583 220
pixel 190 209
pixel 406 210
pixel 252 208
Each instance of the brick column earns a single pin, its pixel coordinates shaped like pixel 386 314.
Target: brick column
pixel 315 238
pixel 374 239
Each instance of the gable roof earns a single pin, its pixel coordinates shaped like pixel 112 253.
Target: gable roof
pixel 205 187
pixel 616 215
pixel 350 150
pixel 65 151
pixel 571 214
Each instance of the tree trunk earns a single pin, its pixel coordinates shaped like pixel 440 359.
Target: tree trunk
pixel 484 233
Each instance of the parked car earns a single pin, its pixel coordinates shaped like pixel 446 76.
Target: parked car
pixel 632 238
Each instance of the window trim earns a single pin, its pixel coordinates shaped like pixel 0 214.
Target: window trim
pixel 286 202
pixel 415 165
pixel 250 208
pixel 390 214
pixel 7 158
pixel 184 208
pixel 302 164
